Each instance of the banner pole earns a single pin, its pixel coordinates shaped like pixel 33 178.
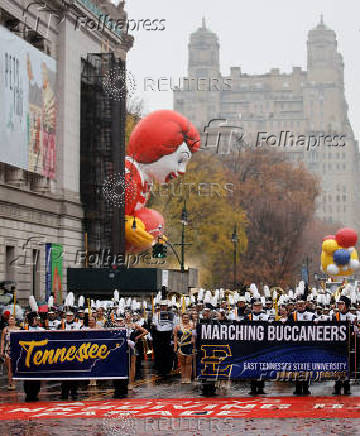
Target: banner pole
pixel 14 312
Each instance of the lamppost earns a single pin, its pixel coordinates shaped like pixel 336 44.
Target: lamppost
pixel 184 222
pixel 234 240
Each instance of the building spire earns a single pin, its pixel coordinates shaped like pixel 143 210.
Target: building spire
pixel 321 19
pixel 203 23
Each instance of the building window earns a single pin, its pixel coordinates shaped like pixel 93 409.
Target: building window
pixel 338 198
pixel 344 166
pixel 329 166
pixel 344 198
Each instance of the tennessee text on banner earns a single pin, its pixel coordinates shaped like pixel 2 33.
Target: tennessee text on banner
pixel 278 351
pixel 69 355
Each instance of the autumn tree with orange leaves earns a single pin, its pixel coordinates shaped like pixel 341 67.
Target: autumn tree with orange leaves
pixel 279 201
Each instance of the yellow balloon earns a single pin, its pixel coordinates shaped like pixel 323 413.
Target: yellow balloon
pixel 330 245
pixel 137 239
pixel 326 259
pixel 354 254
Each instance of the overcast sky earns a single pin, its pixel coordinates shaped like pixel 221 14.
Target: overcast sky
pixel 256 35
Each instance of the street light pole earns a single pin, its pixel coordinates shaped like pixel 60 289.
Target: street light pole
pixel 234 240
pixel 184 221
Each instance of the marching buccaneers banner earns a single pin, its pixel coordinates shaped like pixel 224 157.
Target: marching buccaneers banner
pixel 277 351
pixel 69 355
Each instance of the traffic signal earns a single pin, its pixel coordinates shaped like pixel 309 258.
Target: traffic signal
pixel 159 251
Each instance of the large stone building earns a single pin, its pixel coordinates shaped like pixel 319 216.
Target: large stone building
pixel 42 206
pixel 304 102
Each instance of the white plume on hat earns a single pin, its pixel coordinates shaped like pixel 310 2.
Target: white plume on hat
pixel 236 296
pixel 51 301
pixel 275 295
pixel 247 296
pixel 116 296
pixel 81 301
pixel 208 297
pixel 69 301
pixel 253 288
pixel 266 291
pixel 33 304
pixel 200 295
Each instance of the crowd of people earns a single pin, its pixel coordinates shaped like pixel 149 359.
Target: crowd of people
pixel 166 333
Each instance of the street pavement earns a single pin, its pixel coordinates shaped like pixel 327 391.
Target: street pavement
pixel 341 416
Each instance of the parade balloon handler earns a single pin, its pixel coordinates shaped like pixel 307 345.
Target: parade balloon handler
pixel 32 387
pixel 184 346
pixel 257 314
pixel 343 314
pixel 5 349
pixel 159 149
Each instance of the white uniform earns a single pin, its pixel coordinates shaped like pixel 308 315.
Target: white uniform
pixel 53 325
pixel 261 316
pixel 73 326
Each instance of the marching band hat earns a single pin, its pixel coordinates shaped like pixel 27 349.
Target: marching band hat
pixel 345 300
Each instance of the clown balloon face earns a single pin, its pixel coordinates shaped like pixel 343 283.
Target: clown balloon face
pixel 170 166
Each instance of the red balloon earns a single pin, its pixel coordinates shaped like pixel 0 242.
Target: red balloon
pixel 346 237
pixel 329 237
pixel 153 220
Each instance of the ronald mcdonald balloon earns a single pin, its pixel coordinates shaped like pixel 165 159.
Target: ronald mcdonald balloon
pixel 339 257
pixel 160 148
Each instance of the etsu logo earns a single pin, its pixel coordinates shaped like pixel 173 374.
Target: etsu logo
pixel 212 360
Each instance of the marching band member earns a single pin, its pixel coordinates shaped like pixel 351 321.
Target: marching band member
pixel 343 314
pixel 5 349
pixel 301 315
pixel 257 314
pixel 69 385
pixel 32 387
pixel 163 325
pixel 184 346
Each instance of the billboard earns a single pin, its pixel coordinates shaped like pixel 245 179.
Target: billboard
pixel 27 106
pixel 54 271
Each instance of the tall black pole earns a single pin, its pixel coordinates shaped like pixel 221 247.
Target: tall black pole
pixel 118 157
pixel 234 240
pixel 182 246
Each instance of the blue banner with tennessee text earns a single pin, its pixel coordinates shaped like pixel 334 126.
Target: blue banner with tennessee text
pixel 275 351
pixel 69 355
